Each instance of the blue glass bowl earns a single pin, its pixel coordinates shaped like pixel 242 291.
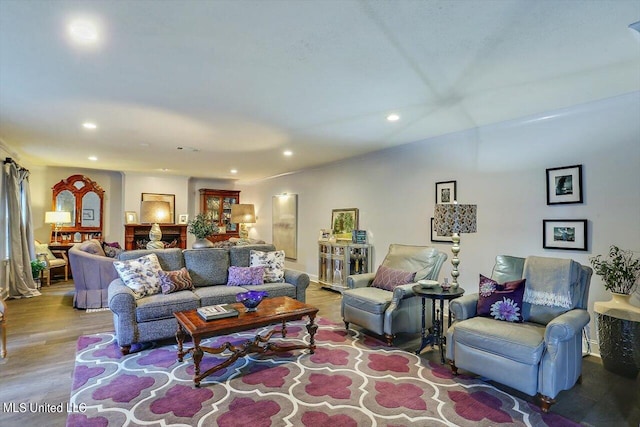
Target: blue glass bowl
pixel 251 299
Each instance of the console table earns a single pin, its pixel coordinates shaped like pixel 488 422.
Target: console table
pixel 136 235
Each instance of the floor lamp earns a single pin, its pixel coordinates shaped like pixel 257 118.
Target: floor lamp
pixel 154 212
pixel 451 220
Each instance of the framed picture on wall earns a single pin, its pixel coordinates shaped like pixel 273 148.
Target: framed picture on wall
pixel 171 198
pixel 183 219
pixel 435 237
pixel 130 217
pixel 446 192
pixel 569 234
pixel 564 185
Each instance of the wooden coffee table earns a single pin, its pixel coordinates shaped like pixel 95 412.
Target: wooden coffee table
pixel 270 311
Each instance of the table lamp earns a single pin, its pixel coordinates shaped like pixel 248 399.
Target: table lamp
pixel 451 220
pixel 155 212
pixel 58 218
pixel 243 215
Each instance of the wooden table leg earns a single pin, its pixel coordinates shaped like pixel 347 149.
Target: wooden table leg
pixel 180 338
pixel 197 358
pixel 312 328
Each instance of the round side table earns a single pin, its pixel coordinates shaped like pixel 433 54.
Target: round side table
pixel 436 334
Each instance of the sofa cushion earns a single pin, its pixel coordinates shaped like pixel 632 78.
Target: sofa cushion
pixel 372 300
pixel 389 278
pixel 211 295
pixel 141 275
pixel 156 307
pixel 240 256
pixel 522 342
pixel 239 276
pixel 92 247
pixel 43 248
pixel 207 266
pixel 273 263
pixel 277 290
pixel 420 259
pixel 501 301
pixel 174 281
pixel 170 259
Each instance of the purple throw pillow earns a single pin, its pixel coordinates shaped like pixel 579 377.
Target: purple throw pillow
pixel 174 281
pixel 240 276
pixel 501 301
pixel 389 278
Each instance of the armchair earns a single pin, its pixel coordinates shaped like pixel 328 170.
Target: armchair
pixel 53 260
pixel 390 312
pixel 541 356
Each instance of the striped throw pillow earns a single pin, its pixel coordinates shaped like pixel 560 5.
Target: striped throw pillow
pixel 174 281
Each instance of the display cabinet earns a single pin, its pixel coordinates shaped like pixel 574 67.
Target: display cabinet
pixel 337 261
pixel 83 198
pixel 217 204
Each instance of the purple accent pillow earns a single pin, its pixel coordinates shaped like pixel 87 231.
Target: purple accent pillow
pixel 240 276
pixel 388 278
pixel 501 301
pixel 174 281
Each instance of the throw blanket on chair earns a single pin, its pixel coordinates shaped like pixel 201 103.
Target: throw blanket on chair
pixel 549 281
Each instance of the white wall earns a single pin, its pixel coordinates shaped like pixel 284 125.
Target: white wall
pixel 501 168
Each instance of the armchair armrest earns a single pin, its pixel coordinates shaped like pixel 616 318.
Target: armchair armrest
pixel 464 307
pixel 300 280
pixel 566 326
pixel 360 280
pixel 122 300
pixel 63 254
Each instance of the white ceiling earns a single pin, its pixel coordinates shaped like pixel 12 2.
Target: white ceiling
pixel 242 81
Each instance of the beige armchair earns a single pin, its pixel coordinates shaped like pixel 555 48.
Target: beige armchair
pixel 390 312
pixel 54 260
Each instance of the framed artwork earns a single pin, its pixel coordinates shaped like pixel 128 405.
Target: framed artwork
pixel 446 192
pixel 130 217
pixel 343 222
pixel 435 237
pixel 564 185
pixel 171 198
pixel 87 214
pixel 569 234
pixel 285 224
pixel 183 219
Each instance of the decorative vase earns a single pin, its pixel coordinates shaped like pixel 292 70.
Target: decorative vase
pixel 618 324
pixel 202 243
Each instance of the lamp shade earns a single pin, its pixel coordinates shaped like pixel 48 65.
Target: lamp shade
pixel 155 212
pixel 57 217
pixel 454 218
pixel 243 214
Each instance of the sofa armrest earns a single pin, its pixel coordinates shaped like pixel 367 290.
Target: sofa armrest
pixel 300 280
pixel 464 307
pixel 566 326
pixel 122 300
pixel 360 280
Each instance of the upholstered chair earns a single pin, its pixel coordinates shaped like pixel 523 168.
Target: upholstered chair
pixel 55 260
pixel 386 312
pixel 540 356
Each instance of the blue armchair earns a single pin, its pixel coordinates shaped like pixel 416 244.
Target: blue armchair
pixel 388 313
pixel 540 357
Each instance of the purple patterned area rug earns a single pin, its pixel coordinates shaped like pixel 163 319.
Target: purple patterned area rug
pixel 349 381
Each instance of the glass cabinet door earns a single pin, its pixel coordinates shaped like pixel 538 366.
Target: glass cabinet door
pixel 213 208
pixel 226 213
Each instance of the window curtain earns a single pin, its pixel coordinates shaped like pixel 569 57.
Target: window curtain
pixel 19 231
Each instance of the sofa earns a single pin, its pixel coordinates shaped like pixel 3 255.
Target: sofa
pixel 151 317
pixel 538 353
pixel 92 272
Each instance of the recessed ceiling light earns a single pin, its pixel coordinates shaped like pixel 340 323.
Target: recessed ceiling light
pixel 83 31
pixel 89 125
pixel 93 158
pixel 393 117
pixel 288 153
pixel 234 171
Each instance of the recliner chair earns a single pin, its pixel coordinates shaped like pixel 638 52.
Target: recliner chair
pixel 541 356
pixel 388 313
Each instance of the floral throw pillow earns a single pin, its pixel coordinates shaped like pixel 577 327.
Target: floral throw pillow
pixel 389 278
pixel 140 274
pixel 174 281
pixel 501 301
pixel 273 263
pixel 239 276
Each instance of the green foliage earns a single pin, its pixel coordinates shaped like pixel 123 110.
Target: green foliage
pixel 620 271
pixel 202 226
pixel 37 267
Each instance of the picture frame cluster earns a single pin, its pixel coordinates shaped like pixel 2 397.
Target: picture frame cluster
pixel 564 186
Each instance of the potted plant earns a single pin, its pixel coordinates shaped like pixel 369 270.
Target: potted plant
pixel 618 321
pixel 202 226
pixel 36 268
